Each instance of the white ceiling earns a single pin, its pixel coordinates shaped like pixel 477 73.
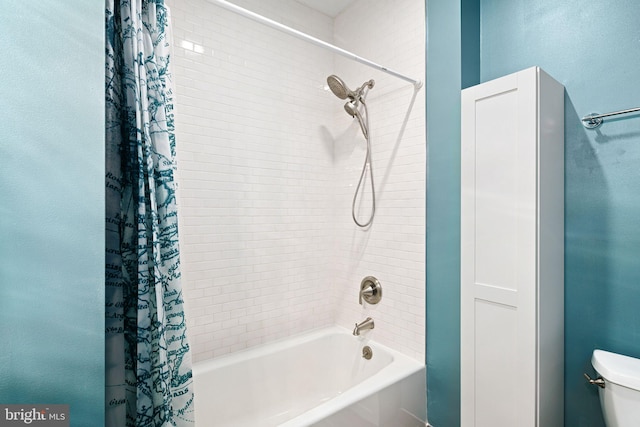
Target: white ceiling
pixel 328 7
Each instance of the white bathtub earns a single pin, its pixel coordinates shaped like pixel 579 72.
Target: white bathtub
pixel 318 379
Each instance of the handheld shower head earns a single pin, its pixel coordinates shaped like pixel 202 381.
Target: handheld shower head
pixel 338 87
pixel 351 107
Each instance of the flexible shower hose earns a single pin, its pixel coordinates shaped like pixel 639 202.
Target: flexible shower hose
pixel 367 165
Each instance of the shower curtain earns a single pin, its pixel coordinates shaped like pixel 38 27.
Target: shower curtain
pixel 148 363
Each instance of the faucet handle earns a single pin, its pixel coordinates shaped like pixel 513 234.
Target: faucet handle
pixel 366 293
pixel 370 290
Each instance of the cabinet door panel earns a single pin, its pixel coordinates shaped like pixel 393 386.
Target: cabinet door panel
pixel 499 270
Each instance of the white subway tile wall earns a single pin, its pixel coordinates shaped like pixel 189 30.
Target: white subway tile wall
pixel 269 161
pixel 391 33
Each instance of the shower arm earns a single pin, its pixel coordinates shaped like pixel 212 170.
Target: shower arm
pixel 299 34
pixel 361 92
pixel 357 97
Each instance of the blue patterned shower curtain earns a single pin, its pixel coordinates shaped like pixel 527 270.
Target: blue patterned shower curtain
pixel 148 363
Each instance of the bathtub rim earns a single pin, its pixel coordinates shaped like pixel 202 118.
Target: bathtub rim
pixel 401 367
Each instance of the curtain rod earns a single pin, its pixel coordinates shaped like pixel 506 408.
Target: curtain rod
pixel 278 26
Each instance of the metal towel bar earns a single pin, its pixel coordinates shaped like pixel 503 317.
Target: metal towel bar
pixel 594 120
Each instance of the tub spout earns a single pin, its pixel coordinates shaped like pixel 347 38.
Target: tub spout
pixel 365 324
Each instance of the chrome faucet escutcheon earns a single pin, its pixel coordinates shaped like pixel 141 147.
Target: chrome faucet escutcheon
pixel 365 324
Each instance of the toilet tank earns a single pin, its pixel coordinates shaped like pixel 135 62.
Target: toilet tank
pixel 620 398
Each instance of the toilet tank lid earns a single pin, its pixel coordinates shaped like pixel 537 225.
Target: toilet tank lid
pixel 619 369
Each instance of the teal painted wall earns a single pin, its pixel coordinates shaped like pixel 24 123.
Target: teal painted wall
pixel 52 206
pixel 453 63
pixel 592 49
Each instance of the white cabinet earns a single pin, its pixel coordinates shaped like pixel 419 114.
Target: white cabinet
pixel 512 252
